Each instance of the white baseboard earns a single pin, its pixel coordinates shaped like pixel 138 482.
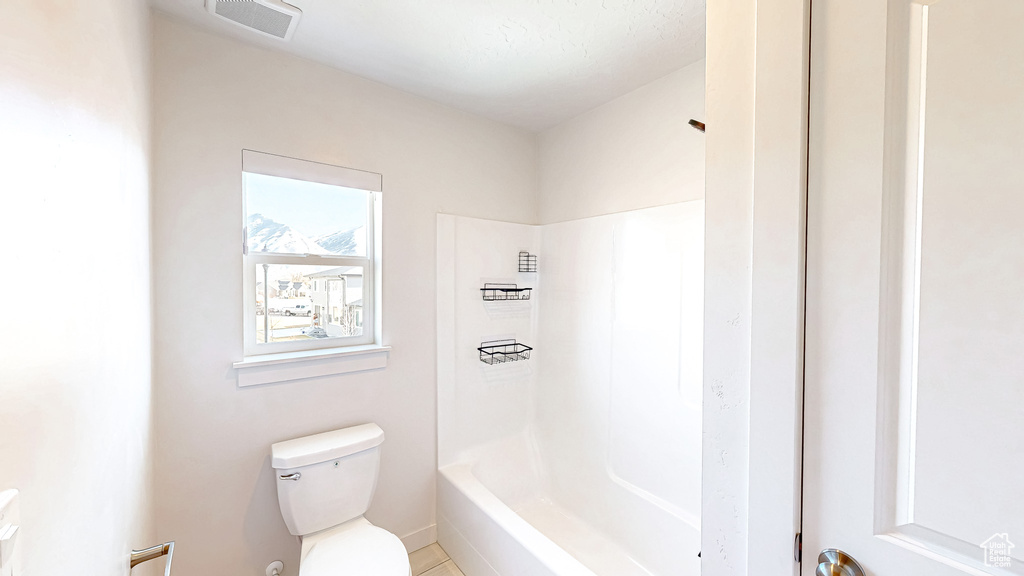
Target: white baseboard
pixel 420 538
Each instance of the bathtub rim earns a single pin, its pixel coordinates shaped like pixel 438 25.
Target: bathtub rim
pixel 536 543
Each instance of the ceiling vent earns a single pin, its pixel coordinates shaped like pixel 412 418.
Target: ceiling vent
pixel 268 17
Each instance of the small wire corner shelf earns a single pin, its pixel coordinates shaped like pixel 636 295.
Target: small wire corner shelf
pixel 527 262
pixel 501 351
pixel 497 292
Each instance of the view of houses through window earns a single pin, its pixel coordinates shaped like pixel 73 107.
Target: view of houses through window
pixel 308 302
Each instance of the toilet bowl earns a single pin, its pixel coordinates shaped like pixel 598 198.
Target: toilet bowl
pixel 355 547
pixel 325 484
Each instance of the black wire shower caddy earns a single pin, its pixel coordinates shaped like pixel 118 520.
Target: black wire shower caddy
pixel 501 351
pixel 493 292
pixel 527 262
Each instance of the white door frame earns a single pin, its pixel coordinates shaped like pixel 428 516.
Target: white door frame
pixel 757 63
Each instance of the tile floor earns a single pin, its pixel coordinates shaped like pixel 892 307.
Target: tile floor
pixel 433 561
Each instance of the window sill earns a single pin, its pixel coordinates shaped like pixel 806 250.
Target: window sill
pixel 287 366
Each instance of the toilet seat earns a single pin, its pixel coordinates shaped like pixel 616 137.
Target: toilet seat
pixel 355 548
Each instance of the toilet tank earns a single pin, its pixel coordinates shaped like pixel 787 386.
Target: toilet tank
pixel 326 479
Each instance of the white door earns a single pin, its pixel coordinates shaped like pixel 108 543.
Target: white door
pixel 914 406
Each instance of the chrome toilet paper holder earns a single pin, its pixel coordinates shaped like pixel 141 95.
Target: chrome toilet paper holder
pixel 153 552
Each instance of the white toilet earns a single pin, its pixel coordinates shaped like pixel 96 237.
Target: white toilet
pixel 325 484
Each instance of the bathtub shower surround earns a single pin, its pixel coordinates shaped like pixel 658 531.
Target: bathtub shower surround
pixel 585 458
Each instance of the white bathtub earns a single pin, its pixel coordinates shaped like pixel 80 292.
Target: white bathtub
pixel 585 459
pixel 524 532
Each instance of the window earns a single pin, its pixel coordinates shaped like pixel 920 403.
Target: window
pixel 311 255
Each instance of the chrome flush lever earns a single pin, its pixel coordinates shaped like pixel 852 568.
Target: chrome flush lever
pixel 165 549
pixel 294 476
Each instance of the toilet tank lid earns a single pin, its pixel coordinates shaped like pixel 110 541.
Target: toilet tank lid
pixel 326 446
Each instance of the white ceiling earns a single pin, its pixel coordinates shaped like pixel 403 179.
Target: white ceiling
pixel 530 63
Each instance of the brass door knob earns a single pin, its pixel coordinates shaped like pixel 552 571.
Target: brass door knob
pixel 834 562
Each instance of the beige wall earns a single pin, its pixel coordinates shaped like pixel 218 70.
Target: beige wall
pixel 75 367
pixel 214 97
pixel 633 152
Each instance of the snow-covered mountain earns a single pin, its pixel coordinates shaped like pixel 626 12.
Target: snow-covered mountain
pixel 346 243
pixel 266 235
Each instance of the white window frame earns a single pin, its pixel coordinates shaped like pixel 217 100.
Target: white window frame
pixel 284 167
